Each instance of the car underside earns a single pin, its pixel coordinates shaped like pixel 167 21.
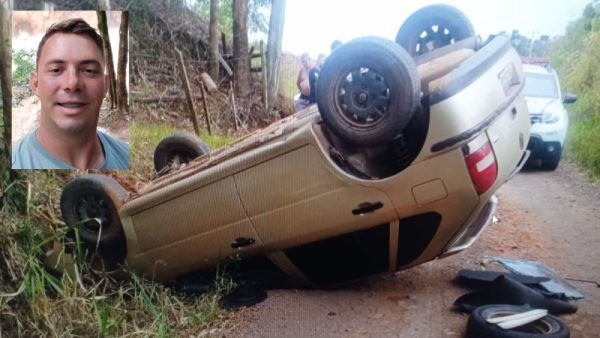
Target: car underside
pixel 319 195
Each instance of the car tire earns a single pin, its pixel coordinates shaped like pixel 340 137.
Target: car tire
pixel 90 204
pixel 418 36
pixel 368 91
pixel 546 327
pixel 550 161
pixel 178 147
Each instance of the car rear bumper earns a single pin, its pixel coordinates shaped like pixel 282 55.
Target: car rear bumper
pixel 470 232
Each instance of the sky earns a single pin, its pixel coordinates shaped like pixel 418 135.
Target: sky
pixel 311 25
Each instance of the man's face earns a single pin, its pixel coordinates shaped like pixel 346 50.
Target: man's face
pixel 70 83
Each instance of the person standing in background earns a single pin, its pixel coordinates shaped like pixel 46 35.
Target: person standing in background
pixel 303 84
pixel 313 76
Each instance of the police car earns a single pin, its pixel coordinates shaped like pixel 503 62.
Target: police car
pixel 549 119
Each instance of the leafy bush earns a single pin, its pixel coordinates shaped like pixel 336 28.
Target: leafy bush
pixel 24 60
pixel 575 57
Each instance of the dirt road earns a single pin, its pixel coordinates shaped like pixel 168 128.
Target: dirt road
pixel 550 217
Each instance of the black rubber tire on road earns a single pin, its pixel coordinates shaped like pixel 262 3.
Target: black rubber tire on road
pixel 242 296
pixel 90 203
pixel 419 35
pixel 182 147
pixel 550 162
pixel 546 327
pixel 368 90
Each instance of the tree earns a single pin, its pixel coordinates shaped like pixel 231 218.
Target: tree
pixel 541 46
pixel 104 5
pixel 122 63
pixel 103 28
pixel 5 76
pixel 257 21
pixel 6 88
pixel 241 74
pixel 213 36
pixel 276 22
pixel 520 43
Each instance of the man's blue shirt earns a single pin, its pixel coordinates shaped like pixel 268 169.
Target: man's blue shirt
pixel 30 154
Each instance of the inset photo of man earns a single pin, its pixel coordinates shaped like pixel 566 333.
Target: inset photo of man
pixel 57 127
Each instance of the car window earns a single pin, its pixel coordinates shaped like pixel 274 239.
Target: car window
pixel 540 85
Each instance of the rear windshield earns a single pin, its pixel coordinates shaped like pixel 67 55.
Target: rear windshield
pixel 540 85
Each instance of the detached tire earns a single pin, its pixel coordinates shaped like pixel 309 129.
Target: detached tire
pixel 180 148
pixel 432 27
pixel 90 204
pixel 367 91
pixel 546 327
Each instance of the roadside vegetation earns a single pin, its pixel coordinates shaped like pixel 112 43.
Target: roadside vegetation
pixel 575 57
pixel 37 302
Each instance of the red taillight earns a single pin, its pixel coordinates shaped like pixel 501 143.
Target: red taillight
pixel 481 163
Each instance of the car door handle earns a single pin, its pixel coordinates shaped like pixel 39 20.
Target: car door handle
pixel 241 242
pixel 366 208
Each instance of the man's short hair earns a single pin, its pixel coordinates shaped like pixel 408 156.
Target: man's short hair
pixel 71 26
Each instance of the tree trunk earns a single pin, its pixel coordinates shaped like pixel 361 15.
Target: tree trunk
pixel 104 5
pixel 241 74
pixel 276 22
pixel 110 66
pixel 6 87
pixel 213 34
pixel 122 63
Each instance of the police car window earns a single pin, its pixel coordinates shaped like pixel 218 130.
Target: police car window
pixel 540 85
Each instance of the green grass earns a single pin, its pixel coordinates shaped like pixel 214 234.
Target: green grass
pixel 575 57
pixel 584 145
pixel 145 138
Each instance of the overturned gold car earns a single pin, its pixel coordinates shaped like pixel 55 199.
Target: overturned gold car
pixel 395 166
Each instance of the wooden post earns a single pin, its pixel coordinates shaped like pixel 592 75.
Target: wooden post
pixel 188 93
pixel 206 117
pixel 225 65
pixel 263 67
pixel 233 105
pixel 250 56
pixel 211 86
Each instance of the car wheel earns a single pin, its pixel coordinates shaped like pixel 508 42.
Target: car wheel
pixel 550 162
pixel 90 204
pixel 432 27
pixel 546 327
pixel 177 149
pixel 367 91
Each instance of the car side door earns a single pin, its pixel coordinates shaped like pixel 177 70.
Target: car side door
pixel 298 198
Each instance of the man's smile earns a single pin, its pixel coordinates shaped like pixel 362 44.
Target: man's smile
pixel 72 107
pixel 72 104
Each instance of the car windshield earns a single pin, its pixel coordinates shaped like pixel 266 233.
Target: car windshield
pixel 540 85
